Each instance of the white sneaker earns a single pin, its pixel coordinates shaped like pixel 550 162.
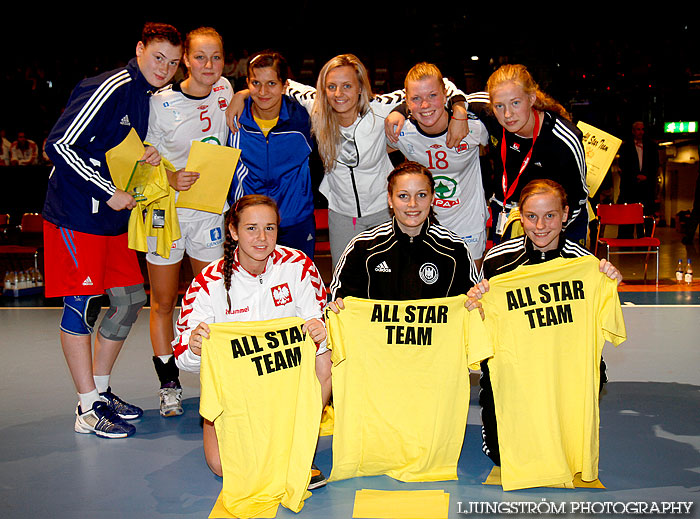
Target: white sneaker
pixel 170 401
pixel 103 421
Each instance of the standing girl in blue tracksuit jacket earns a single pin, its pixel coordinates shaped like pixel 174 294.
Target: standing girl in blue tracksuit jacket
pixel 275 143
pixel 86 219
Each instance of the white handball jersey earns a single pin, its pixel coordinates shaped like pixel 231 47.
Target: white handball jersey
pixel 177 119
pixel 290 286
pixel 460 203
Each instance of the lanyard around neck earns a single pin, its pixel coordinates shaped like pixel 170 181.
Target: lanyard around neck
pixel 508 192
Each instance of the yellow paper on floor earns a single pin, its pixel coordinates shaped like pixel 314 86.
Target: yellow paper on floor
pixel 494 478
pixel 220 512
pixel 399 504
pixel 215 165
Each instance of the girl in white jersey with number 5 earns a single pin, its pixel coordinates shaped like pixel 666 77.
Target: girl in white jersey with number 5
pixel 192 110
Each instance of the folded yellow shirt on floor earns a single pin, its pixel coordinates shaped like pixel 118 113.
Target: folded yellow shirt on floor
pixel 400 504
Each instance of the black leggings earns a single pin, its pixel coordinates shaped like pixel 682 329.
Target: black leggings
pixel 489 429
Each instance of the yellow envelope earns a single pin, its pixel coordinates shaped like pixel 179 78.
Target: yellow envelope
pixel 122 159
pixel 215 165
pixel 401 504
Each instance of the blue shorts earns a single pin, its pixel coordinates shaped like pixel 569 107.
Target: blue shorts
pixel 300 236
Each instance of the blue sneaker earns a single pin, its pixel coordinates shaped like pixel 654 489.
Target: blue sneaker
pixel 124 410
pixel 102 421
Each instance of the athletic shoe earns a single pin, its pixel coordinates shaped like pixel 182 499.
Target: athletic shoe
pixel 102 421
pixel 170 401
pixel 317 478
pixel 124 410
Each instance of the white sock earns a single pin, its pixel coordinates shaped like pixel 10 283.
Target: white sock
pixel 101 382
pixel 87 399
pixel 165 358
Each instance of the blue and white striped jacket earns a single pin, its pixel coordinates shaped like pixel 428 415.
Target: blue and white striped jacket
pixel 100 113
pixel 276 165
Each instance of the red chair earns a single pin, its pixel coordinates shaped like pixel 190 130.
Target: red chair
pixel 627 214
pixel 4 225
pixel 28 240
pixel 323 246
pixel 32 222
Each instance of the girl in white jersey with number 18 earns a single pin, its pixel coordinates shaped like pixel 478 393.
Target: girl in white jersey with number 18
pixel 460 203
pixel 192 110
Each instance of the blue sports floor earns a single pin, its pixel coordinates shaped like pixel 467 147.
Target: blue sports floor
pixel 649 442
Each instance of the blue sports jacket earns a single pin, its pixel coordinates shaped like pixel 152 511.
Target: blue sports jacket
pixel 99 114
pixel 276 165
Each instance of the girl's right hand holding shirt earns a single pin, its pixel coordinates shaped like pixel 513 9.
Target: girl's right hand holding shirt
pixel 199 333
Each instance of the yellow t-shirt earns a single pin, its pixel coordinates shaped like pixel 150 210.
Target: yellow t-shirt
pixel 548 324
pixel 401 386
pixel 266 124
pixel 259 387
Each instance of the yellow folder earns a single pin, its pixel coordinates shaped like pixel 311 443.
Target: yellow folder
pixel 123 158
pixel 215 165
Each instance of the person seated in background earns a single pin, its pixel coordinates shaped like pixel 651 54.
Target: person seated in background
pixel 4 149
pixel 23 152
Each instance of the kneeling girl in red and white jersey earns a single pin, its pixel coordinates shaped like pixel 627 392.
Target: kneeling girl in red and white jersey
pixel 255 280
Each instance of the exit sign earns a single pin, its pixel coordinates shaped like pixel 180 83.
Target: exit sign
pixel 681 127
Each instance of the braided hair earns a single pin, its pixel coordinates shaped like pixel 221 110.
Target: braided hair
pixel 233 218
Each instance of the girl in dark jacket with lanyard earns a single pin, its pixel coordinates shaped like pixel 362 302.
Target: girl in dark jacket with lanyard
pixel 532 137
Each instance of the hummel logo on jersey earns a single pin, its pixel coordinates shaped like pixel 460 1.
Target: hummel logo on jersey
pixel 125 121
pixel 382 267
pixel 87 282
pixel 237 311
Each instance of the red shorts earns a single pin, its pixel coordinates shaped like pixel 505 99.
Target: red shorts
pixel 79 264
